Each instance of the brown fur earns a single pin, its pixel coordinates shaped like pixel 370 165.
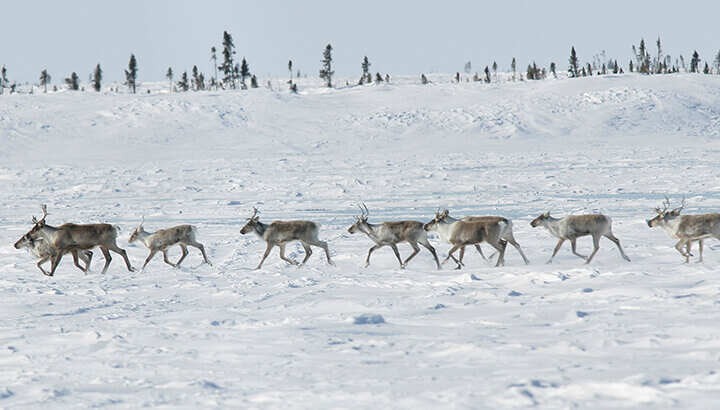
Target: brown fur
pixel 391 233
pixel 461 233
pixel 686 228
pixel 70 238
pixel 572 227
pixel 280 233
pixel 162 239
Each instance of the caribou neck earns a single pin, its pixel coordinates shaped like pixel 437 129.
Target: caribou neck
pixel 670 225
pixel 370 230
pixel 553 225
pixel 260 229
pixel 444 228
pixel 49 233
pixel 145 236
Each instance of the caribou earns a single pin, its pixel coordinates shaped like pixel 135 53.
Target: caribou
pixel 572 227
pixel 42 249
pixel 686 228
pixel 162 239
pixel 392 233
pixel 507 235
pixel 280 233
pixel 70 238
pixel 461 233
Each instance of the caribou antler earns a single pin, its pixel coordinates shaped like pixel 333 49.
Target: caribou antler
pixel 255 212
pixel 682 205
pixel 666 205
pixel 34 219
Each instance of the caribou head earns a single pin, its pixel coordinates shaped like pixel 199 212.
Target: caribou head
pixel 663 215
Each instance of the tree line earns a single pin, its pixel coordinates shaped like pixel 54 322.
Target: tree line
pixel 238 75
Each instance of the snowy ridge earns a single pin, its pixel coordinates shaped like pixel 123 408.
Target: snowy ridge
pixel 608 335
pixel 364 118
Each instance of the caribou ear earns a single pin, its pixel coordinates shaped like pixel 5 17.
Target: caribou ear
pixel 546 214
pixel 446 213
pixel 674 212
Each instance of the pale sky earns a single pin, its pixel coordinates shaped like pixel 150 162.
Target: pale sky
pixel 399 37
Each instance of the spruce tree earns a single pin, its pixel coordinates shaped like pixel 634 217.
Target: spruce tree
pixel 630 66
pixel 423 79
pixel 253 82
pixel 73 82
pixel 487 74
pixel 291 77
pixel 659 57
pixel 552 69
pixel 589 69
pixel 706 70
pixel 378 78
pixel 573 69
pixel 45 79
pixel 293 85
pixel 695 62
pixel 228 65
pixel 236 72
pixel 513 66
pixel 183 83
pixel 131 73
pixel 195 80
pixel 3 80
pixel 457 77
pixel 213 57
pixel 97 78
pixel 494 67
pixel 716 63
pixel 643 58
pixel 615 67
pixel 326 72
pixel 366 76
pixel 169 76
pixel 244 72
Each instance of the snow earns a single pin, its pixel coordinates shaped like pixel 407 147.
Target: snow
pixel 606 335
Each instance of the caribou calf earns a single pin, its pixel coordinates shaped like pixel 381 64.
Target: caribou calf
pixel 162 239
pixel 392 233
pixel 686 228
pixel 45 251
pixel 280 233
pixel 572 227
pixel 71 238
pixel 461 233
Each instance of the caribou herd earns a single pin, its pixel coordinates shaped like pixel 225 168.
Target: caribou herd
pixel 48 242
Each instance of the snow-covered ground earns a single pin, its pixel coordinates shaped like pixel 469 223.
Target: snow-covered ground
pixel 611 334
